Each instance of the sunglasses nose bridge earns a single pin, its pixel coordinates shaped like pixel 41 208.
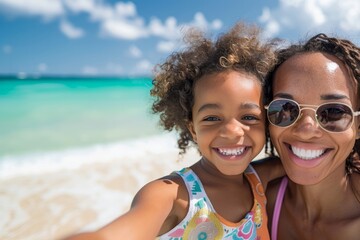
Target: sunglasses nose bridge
pixel 302 114
pixel 307 124
pixel 307 107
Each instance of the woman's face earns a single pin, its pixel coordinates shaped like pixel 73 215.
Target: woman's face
pixel 309 153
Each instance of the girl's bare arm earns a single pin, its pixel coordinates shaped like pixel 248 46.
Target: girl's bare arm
pixel 149 210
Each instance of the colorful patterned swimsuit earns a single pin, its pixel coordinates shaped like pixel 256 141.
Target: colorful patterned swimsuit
pixel 202 222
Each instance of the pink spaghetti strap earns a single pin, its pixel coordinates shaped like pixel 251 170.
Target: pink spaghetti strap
pixel 277 209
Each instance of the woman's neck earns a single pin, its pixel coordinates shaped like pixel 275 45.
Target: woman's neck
pixel 322 200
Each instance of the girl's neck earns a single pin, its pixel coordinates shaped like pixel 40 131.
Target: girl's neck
pixel 205 168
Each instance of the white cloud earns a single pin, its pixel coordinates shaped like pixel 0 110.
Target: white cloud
pixel 144 66
pixel 272 27
pixel 7 49
pixel 42 67
pixel 89 70
pixel 123 30
pixel 80 5
pixel 120 20
pixel 216 24
pixel 201 22
pixel 168 30
pixel 305 16
pixel 166 46
pixel 135 52
pixel 70 31
pixel 171 32
pixel 125 9
pixel 113 68
pixel 45 8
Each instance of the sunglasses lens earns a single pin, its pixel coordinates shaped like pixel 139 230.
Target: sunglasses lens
pixel 334 117
pixel 283 113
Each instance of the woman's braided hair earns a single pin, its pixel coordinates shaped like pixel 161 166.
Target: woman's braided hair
pixel 344 50
pixel 240 49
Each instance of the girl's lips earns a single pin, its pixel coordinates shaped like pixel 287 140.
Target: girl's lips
pixel 232 153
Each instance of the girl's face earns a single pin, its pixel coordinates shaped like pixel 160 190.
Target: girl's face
pixel 228 121
pixel 309 153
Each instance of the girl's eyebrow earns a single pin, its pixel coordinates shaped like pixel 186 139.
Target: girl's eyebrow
pixel 216 106
pixel 208 106
pixel 249 106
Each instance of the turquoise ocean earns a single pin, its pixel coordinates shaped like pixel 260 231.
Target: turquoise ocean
pixel 47 116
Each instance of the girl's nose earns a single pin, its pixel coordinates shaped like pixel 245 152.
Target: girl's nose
pixel 233 129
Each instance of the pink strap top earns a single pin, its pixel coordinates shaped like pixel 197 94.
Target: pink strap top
pixel 277 209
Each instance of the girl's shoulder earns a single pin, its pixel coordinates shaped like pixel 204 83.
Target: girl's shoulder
pixel 168 186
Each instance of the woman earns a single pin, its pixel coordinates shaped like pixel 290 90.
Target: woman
pixel 317 85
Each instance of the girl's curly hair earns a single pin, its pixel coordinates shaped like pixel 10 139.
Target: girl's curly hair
pixel 344 50
pixel 240 49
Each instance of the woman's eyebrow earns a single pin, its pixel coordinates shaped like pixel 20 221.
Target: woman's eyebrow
pixel 331 96
pixel 283 95
pixel 334 96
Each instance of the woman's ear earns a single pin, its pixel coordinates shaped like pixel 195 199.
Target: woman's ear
pixel 357 122
pixel 190 126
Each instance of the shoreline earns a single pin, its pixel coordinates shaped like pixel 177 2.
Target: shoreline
pixel 40 162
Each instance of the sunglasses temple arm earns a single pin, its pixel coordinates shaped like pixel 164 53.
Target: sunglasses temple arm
pixel 356 113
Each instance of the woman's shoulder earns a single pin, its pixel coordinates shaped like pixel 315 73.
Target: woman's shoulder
pixel 268 169
pixel 355 185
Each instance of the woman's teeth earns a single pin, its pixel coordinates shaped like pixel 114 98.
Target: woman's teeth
pixel 307 154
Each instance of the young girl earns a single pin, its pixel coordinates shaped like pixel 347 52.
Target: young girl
pixel 317 83
pixel 211 93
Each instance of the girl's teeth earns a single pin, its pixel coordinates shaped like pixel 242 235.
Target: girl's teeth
pixel 231 152
pixel 307 154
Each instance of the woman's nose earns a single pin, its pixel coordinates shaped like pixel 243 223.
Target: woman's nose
pixel 306 126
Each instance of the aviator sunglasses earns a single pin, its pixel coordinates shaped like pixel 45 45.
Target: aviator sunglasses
pixel 332 117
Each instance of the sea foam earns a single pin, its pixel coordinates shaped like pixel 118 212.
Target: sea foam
pixel 53 161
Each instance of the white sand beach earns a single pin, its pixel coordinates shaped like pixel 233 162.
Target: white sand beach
pixel 85 189
pixel 53 203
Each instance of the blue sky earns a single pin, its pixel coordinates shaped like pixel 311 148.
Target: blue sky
pixel 115 38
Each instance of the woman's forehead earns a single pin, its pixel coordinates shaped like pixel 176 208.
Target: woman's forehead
pixel 315 73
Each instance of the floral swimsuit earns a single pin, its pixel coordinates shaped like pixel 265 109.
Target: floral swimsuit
pixel 202 222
